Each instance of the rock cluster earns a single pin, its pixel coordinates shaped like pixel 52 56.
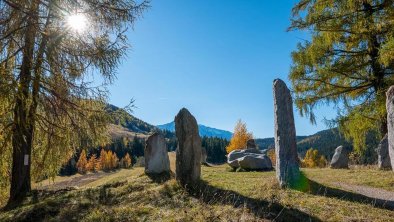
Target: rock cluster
pixel 249 159
pixel 287 166
pixel 340 160
pixel 188 153
pixel 156 155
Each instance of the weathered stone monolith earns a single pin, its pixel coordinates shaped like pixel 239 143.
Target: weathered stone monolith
pixel 251 144
pixel 156 155
pixel 188 153
pixel 390 123
pixel 287 167
pixel 340 160
pixel 383 154
pixel 203 155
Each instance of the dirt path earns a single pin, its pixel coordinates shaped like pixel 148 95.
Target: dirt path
pixel 76 181
pixel 379 194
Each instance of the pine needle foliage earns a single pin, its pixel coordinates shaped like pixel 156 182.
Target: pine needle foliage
pixel 240 137
pixel 348 62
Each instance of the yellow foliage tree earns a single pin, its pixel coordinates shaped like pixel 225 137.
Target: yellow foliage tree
pixel 240 137
pixel 82 163
pixel 272 156
pixel 313 159
pixel 104 160
pixel 126 161
pixel 92 163
pixel 113 160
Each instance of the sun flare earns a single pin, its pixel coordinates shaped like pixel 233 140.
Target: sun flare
pixel 77 22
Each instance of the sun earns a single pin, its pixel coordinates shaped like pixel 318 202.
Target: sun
pixel 77 22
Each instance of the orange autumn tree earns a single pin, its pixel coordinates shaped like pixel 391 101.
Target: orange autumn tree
pixel 126 161
pixel 240 137
pixel 114 160
pixel 82 163
pixel 92 163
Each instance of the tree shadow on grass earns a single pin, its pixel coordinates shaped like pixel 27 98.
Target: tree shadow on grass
pixel 309 186
pixel 260 208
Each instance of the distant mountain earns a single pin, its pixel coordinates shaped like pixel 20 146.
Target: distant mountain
pixel 203 130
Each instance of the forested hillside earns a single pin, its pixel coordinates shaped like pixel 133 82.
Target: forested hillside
pixel 324 141
pixel 122 118
pixel 269 143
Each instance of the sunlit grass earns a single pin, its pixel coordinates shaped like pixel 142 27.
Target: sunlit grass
pixel 129 195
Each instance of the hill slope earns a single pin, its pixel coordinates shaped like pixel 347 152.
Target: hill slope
pixel 122 118
pixel 325 141
pixel 269 143
pixel 203 130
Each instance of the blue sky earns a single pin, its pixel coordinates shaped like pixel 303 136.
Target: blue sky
pixel 217 58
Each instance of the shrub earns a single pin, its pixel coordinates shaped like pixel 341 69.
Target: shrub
pixel 313 159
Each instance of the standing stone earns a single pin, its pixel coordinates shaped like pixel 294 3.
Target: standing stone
pixel 188 153
pixel 340 160
pixel 156 155
pixel 251 144
pixel 383 154
pixel 203 155
pixel 287 167
pixel 390 122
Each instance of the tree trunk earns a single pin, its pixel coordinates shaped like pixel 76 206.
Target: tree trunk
pixel 379 84
pixel 22 138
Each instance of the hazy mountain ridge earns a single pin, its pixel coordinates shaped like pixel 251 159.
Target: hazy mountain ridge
pixel 203 130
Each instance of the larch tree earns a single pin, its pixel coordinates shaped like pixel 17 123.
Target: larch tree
pixel 126 161
pixel 240 137
pixel 313 159
pixel 82 164
pixel 348 62
pixel 92 164
pixel 48 106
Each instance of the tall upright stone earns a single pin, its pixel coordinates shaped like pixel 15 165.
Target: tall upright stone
pixel 188 153
pixel 287 166
pixel 383 154
pixel 156 155
pixel 390 123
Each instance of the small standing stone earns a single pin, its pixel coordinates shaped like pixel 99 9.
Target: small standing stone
pixel 188 153
pixel 156 155
pixel 251 144
pixel 383 154
pixel 340 160
pixel 390 123
pixel 203 155
pixel 287 167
